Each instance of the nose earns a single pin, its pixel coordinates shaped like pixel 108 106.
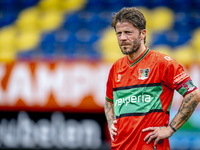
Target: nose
pixel 123 36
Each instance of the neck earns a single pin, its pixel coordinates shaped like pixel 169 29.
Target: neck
pixel 136 54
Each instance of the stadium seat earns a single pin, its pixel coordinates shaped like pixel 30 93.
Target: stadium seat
pixel 7 38
pixel 108 46
pixel 48 42
pixel 159 39
pixel 49 20
pixel 195 40
pixel 84 18
pixel 7 55
pixel 45 5
pixel 27 19
pixel 72 5
pixel 105 17
pixel 161 19
pixel 194 21
pixel 7 17
pixel 134 3
pixel 184 54
pixel 179 5
pixel 26 40
pixel 93 6
pixel 26 3
pixel 181 22
pixel 111 5
pixel 156 3
pixel 71 22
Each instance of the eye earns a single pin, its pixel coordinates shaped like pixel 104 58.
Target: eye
pixel 127 32
pixel 118 33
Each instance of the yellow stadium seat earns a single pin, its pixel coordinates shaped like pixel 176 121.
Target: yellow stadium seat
pixel 27 19
pixel 195 41
pixel 109 46
pixel 50 20
pixel 7 55
pixel 26 40
pixel 162 18
pixel 7 37
pixel 49 4
pixel 72 5
pixel 184 54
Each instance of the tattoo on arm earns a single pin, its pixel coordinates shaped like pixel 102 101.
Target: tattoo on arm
pixel 173 123
pixel 187 107
pixel 189 98
pixel 109 112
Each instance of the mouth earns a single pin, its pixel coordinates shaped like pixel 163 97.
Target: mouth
pixel 125 44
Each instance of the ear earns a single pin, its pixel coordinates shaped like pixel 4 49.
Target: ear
pixel 143 34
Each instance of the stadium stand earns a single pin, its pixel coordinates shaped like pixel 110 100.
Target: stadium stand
pixel 75 29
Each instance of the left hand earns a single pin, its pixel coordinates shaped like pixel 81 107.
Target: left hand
pixel 158 133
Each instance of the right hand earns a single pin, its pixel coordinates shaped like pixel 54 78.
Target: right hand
pixel 113 130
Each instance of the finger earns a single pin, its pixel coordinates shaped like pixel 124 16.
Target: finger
pixel 113 133
pixel 148 129
pixel 156 141
pixel 148 135
pixel 115 122
pixel 113 128
pixel 112 137
pixel 151 138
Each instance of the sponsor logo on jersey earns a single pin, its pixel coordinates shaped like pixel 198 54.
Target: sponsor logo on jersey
pixel 143 73
pixel 133 99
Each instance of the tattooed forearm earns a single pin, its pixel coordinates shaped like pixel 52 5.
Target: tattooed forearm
pixel 186 109
pixel 189 98
pixel 109 112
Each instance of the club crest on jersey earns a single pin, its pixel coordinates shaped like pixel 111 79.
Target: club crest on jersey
pixel 143 73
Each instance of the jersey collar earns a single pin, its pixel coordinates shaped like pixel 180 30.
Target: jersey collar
pixel 132 63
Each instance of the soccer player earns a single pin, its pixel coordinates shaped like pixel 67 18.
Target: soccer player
pixel 140 89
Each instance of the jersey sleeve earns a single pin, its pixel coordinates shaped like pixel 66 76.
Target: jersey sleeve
pixel 109 87
pixel 175 77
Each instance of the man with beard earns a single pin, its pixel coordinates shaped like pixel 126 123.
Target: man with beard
pixel 140 89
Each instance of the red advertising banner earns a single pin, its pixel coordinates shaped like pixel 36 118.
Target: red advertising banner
pixel 63 86
pixel 44 86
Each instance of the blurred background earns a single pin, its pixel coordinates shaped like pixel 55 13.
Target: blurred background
pixel 55 56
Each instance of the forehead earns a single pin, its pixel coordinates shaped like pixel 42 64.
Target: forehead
pixel 125 26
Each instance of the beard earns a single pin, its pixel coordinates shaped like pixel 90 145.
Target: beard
pixel 134 48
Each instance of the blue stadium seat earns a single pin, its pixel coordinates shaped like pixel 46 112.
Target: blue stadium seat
pixel 48 42
pixel 194 19
pixel 134 3
pixel 70 45
pixel 111 5
pixel 182 38
pixel 105 17
pixel 93 6
pixel 84 18
pixel 179 5
pixel 155 3
pixel 181 21
pixel 159 39
pixel 7 17
pixel 71 22
pixel 26 3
